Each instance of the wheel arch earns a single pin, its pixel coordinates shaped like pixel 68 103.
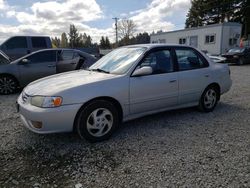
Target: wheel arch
pixel 105 98
pixel 12 76
pixel 216 86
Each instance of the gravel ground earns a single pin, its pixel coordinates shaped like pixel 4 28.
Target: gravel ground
pixel 183 148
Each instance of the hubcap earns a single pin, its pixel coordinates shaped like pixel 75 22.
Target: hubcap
pixel 99 122
pixel 210 98
pixel 7 85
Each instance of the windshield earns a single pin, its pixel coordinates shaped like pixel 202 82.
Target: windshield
pixel 236 50
pixel 118 61
pixel 3 59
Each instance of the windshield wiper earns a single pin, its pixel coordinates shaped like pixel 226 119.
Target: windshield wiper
pixel 99 70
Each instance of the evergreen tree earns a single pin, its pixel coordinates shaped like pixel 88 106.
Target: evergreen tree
pixel 205 12
pixel 102 43
pixel 107 43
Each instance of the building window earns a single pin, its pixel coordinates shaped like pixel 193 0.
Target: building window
pixel 182 40
pixel 210 39
pixel 233 41
pixel 162 40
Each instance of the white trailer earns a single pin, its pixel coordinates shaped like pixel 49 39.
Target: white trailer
pixel 216 39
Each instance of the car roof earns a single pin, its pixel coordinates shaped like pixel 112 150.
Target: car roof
pixel 157 45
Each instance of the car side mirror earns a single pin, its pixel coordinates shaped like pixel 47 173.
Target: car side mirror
pixel 143 71
pixel 25 61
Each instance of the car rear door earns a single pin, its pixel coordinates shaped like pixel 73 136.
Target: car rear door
pixel 67 61
pixel 194 74
pixel 158 90
pixel 37 65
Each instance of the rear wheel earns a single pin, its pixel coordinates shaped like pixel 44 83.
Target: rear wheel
pixel 97 121
pixel 8 85
pixel 209 99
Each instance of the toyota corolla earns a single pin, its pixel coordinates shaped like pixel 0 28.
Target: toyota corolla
pixel 127 83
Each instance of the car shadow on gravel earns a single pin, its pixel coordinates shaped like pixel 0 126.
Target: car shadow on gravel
pixel 175 120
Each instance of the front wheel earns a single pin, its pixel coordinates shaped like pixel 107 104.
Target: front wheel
pixel 97 121
pixel 8 85
pixel 241 61
pixel 209 99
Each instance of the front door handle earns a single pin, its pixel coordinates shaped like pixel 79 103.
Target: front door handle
pixel 207 75
pixel 73 63
pixel 172 81
pixel 51 66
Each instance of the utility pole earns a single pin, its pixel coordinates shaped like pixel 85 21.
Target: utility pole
pixel 116 30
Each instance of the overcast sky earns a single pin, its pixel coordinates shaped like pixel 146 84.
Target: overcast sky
pixel 94 17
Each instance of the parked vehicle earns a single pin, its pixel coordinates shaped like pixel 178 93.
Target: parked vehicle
pixel 127 83
pixel 239 56
pixel 217 59
pixel 19 73
pixel 19 46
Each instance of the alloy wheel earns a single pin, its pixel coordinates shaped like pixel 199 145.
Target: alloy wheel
pixel 210 98
pixel 7 85
pixel 99 122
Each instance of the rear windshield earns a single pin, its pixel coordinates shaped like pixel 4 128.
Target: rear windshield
pixel 236 50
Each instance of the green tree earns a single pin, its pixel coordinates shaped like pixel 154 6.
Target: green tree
pixel 102 43
pixel 205 12
pixel 74 38
pixel 107 43
pixel 56 42
pixel 64 40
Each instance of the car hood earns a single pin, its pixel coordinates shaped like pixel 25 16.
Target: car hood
pixel 55 84
pixel 232 54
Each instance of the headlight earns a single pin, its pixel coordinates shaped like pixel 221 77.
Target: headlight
pixel 46 102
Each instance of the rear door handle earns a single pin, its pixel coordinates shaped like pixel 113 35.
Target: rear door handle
pixel 207 75
pixel 51 66
pixel 72 63
pixel 172 81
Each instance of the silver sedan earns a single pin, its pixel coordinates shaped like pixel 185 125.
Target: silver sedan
pixel 39 64
pixel 128 83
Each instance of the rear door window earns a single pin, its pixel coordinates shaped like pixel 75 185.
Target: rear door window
pixel 16 42
pixel 188 59
pixel 44 56
pixel 67 55
pixel 38 42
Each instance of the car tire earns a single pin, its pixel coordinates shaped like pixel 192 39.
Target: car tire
pixel 97 121
pixel 241 61
pixel 8 85
pixel 209 99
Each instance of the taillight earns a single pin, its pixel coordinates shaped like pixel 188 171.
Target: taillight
pixel 229 71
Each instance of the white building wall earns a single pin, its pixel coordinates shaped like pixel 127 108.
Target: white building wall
pixel 220 45
pixel 230 32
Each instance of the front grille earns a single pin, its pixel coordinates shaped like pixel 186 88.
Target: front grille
pixel 25 97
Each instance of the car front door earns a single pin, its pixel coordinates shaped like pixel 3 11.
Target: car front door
pixel 37 65
pixel 158 90
pixel 194 74
pixel 68 60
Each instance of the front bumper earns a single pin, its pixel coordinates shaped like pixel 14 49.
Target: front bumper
pixel 54 120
